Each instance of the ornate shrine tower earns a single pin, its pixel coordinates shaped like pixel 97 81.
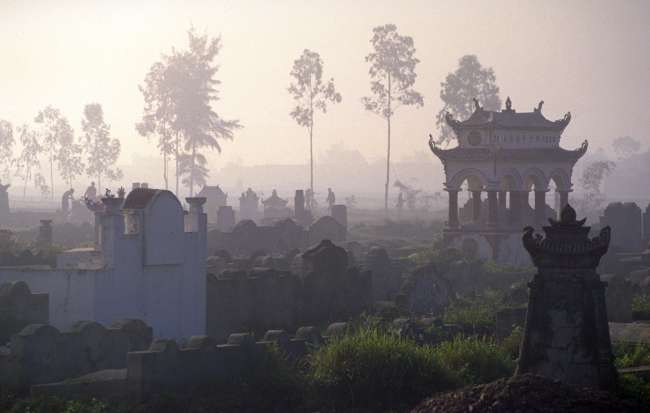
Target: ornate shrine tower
pixel 567 335
pixel 507 154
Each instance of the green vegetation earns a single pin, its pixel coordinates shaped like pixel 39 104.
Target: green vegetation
pixel 376 370
pixel 476 312
pixel 475 359
pixel 641 307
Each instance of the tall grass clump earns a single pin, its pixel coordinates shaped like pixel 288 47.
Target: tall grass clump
pixel 375 370
pixel 475 359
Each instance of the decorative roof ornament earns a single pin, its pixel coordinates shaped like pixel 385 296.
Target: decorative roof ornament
pixel 539 106
pixel 508 108
pixel 566 243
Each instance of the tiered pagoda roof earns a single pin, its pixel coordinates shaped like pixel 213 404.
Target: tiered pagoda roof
pixel 508 118
pixel 511 154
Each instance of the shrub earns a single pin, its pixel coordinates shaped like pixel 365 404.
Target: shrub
pixel 641 307
pixel 512 343
pixel 475 360
pixel 376 370
pixel 631 355
pixel 475 312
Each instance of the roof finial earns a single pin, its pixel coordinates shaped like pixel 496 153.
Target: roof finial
pixel 539 106
pixel 508 104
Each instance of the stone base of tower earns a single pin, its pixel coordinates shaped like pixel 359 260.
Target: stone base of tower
pixel 566 334
pixel 499 245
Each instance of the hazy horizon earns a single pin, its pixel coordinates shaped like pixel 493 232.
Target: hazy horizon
pixel 590 58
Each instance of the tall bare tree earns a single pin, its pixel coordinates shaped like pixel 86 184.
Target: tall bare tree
pixel 158 117
pixel 392 77
pixel 27 163
pixel 470 81
pixel 310 93
pixel 55 134
pixel 101 151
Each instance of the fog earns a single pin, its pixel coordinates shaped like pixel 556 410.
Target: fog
pixel 590 58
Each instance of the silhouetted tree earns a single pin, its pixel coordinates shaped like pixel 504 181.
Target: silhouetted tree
pixel 310 93
pixel 392 74
pixel 182 89
pixel 69 161
pixel 158 116
pixel 591 182
pixel 469 81
pixel 101 151
pixel 625 146
pixel 6 145
pixel 28 161
pixel 55 133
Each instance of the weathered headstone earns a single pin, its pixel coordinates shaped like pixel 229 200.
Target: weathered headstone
pixel 44 239
pixel 567 336
pixel 225 218
pixel 340 214
pixel 625 219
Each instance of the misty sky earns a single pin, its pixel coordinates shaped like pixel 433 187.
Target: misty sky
pixel 591 58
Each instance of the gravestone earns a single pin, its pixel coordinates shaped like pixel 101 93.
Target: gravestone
pixel 225 218
pixel 248 205
pixel 303 216
pixel 44 238
pixel 386 281
pixel 340 214
pixel 625 219
pixel 566 336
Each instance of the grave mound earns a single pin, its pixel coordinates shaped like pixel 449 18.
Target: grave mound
pixel 526 393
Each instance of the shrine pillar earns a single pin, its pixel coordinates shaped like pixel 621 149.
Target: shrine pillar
pixel 540 206
pixel 564 200
pixel 453 208
pixel 516 206
pixel 476 207
pixel 493 207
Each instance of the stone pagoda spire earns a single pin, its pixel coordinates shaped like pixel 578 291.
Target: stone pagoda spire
pixel 567 335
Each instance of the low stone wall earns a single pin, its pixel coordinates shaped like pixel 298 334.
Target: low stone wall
pixel 167 367
pixel 19 307
pixel 42 354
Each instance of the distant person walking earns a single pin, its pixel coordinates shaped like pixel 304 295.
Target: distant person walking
pixel 66 200
pixel 331 198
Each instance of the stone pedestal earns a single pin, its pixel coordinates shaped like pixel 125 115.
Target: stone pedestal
pixel 567 335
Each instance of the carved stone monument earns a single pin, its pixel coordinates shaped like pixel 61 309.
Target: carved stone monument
pixel 567 336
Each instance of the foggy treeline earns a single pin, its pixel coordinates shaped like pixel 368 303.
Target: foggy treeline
pixel 180 118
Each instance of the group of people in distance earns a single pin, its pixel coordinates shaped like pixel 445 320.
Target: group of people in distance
pixel 68 197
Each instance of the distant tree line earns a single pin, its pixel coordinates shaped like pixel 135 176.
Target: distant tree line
pixel 50 139
pixel 180 92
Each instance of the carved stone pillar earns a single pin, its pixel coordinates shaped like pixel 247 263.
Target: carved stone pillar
pixel 476 206
pixel 566 336
pixel 493 208
pixel 564 200
pixel 453 208
pixel 540 207
pixel 516 201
